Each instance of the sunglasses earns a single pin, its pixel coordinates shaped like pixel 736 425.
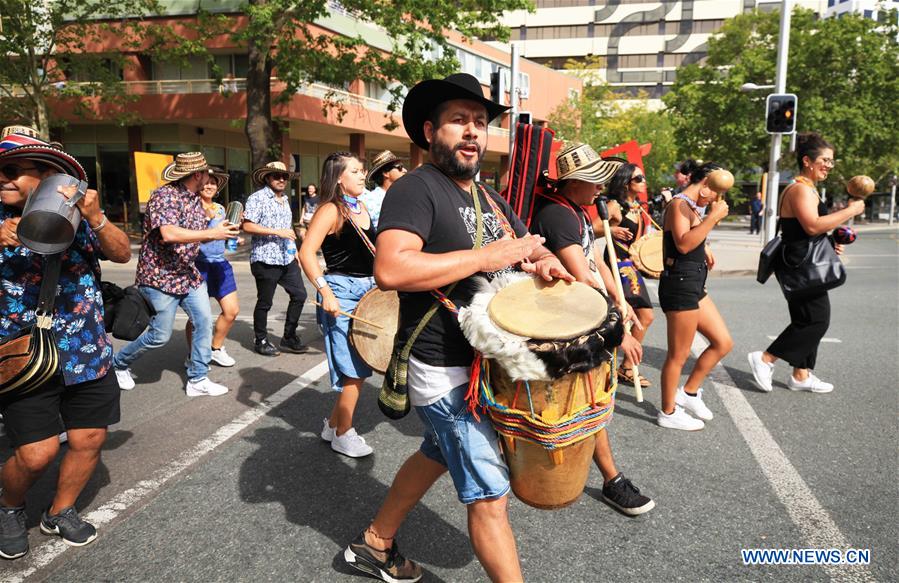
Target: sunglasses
pixel 13 171
pixel 399 167
pixel 638 179
pixel 280 176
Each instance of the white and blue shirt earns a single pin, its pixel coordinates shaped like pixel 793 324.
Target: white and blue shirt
pixel 264 209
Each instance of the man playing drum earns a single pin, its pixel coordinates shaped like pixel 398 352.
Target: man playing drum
pixel 427 239
pixel 561 220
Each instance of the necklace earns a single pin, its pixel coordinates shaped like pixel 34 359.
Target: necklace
pixel 353 204
pixel 806 181
pixel 690 202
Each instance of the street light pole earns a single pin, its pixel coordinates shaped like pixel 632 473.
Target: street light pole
pixel 513 97
pixel 780 86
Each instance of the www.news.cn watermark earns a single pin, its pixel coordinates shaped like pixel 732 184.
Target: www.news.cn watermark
pixel 806 556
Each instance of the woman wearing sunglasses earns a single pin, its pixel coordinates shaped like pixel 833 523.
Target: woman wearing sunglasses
pixel 628 222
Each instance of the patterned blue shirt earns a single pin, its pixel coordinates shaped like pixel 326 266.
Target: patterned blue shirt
pixel 373 200
pixel 85 350
pixel 264 209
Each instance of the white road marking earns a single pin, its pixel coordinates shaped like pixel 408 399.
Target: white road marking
pixel 813 521
pixel 47 552
pixel 830 340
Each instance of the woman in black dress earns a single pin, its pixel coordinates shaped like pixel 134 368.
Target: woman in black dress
pixel 802 218
pixel 628 222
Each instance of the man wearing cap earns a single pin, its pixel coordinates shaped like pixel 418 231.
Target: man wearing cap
pixel 81 398
pixel 385 170
pixel 426 240
pixel 559 218
pixel 167 275
pixel 273 257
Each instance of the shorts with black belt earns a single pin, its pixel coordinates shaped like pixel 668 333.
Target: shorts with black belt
pixel 682 286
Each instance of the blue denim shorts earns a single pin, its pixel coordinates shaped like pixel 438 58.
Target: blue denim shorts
pixel 343 360
pixel 468 448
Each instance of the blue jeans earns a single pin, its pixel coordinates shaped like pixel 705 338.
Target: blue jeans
pixel 196 305
pixel 468 448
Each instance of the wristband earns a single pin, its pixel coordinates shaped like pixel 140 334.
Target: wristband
pixel 320 282
pixel 102 224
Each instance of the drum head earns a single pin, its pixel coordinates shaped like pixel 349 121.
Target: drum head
pixel 646 253
pixel 374 345
pixel 555 310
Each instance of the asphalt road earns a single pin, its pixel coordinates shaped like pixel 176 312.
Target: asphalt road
pixel 240 488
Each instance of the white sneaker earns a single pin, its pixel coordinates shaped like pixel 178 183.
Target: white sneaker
pixel 812 383
pixel 693 405
pixel 761 371
pixel 327 430
pixel 679 420
pixel 124 378
pixel 351 444
pixel 205 387
pixel 222 358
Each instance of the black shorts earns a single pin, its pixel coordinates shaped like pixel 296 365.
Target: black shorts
pixel 682 287
pixel 54 407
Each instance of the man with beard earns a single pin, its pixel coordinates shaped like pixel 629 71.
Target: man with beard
pixel 427 239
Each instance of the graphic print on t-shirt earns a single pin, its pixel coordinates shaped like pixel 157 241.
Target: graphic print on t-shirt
pixel 493 231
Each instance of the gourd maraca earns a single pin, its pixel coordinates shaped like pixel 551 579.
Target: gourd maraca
pixel 860 187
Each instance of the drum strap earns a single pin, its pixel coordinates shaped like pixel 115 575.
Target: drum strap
pixel 561 200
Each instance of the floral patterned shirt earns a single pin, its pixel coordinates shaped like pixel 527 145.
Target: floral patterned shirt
pixel 85 350
pixel 169 267
pixel 264 209
pixel 373 200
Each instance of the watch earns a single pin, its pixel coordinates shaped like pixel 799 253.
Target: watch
pixel 320 282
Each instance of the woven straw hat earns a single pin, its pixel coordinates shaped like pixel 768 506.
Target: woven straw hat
pixel 276 167
pixel 581 162
pixel 184 165
pixel 383 159
pixel 220 177
pixel 24 143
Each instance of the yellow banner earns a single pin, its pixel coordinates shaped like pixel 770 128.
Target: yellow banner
pixel 149 174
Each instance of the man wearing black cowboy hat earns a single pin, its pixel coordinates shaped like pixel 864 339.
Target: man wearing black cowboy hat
pixel 427 239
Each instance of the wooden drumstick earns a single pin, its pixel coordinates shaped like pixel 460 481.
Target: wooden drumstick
pixel 363 320
pixel 613 259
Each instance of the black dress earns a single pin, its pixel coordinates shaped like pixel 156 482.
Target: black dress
pixel 809 316
pixel 635 291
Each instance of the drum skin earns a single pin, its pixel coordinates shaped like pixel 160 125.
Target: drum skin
pixel 646 253
pixel 375 345
pixel 543 478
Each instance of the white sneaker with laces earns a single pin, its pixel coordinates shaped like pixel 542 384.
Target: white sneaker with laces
pixel 351 444
pixel 327 431
pixel 812 383
pixel 693 405
pixel 761 371
pixel 124 378
pixel 679 420
pixel 205 388
pixel 221 357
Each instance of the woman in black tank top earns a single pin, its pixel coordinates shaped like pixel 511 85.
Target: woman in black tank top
pixel 688 308
pixel 342 229
pixel 802 218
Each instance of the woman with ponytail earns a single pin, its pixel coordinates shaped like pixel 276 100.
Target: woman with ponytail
pixel 342 229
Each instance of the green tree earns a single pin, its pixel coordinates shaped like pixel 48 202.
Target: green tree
pixel 47 56
pixel 845 72
pixel 604 119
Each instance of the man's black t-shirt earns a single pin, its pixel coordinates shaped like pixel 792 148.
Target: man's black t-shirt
pixel 428 203
pixel 563 226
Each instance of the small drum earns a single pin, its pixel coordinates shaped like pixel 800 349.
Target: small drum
pixel 546 352
pixel 646 253
pixel 374 345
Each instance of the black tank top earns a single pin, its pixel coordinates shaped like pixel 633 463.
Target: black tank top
pixel 346 253
pixel 672 256
pixel 795 238
pixel 636 229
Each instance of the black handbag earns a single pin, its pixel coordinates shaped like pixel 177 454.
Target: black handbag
pixel 819 270
pixel 126 312
pixel 30 358
pixel 769 258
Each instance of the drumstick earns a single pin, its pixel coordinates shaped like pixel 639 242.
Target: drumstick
pixel 363 320
pixel 613 259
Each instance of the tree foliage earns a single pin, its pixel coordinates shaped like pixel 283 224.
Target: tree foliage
pixel 46 57
pixel 603 119
pixel 845 72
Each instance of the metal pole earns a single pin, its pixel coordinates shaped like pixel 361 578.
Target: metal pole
pixel 513 97
pixel 780 86
pixel 893 203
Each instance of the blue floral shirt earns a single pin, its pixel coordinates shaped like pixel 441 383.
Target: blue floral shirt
pixel 85 350
pixel 264 209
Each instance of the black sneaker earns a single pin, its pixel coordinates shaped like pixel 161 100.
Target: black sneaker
pixel 388 566
pixel 620 493
pixel 69 526
pixel 293 344
pixel 266 348
pixel 13 535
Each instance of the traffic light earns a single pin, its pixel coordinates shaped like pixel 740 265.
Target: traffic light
pixel 496 88
pixel 780 114
pixel 524 117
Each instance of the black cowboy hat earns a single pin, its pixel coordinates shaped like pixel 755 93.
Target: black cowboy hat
pixel 425 96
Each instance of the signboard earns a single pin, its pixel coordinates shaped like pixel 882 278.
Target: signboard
pixel 149 174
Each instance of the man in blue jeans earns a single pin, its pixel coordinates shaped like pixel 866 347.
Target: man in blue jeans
pixel 427 234
pixel 174 227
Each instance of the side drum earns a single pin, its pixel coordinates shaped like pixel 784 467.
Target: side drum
pixel 373 344
pixel 646 253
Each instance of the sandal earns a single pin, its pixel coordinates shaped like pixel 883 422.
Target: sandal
pixel 627 377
